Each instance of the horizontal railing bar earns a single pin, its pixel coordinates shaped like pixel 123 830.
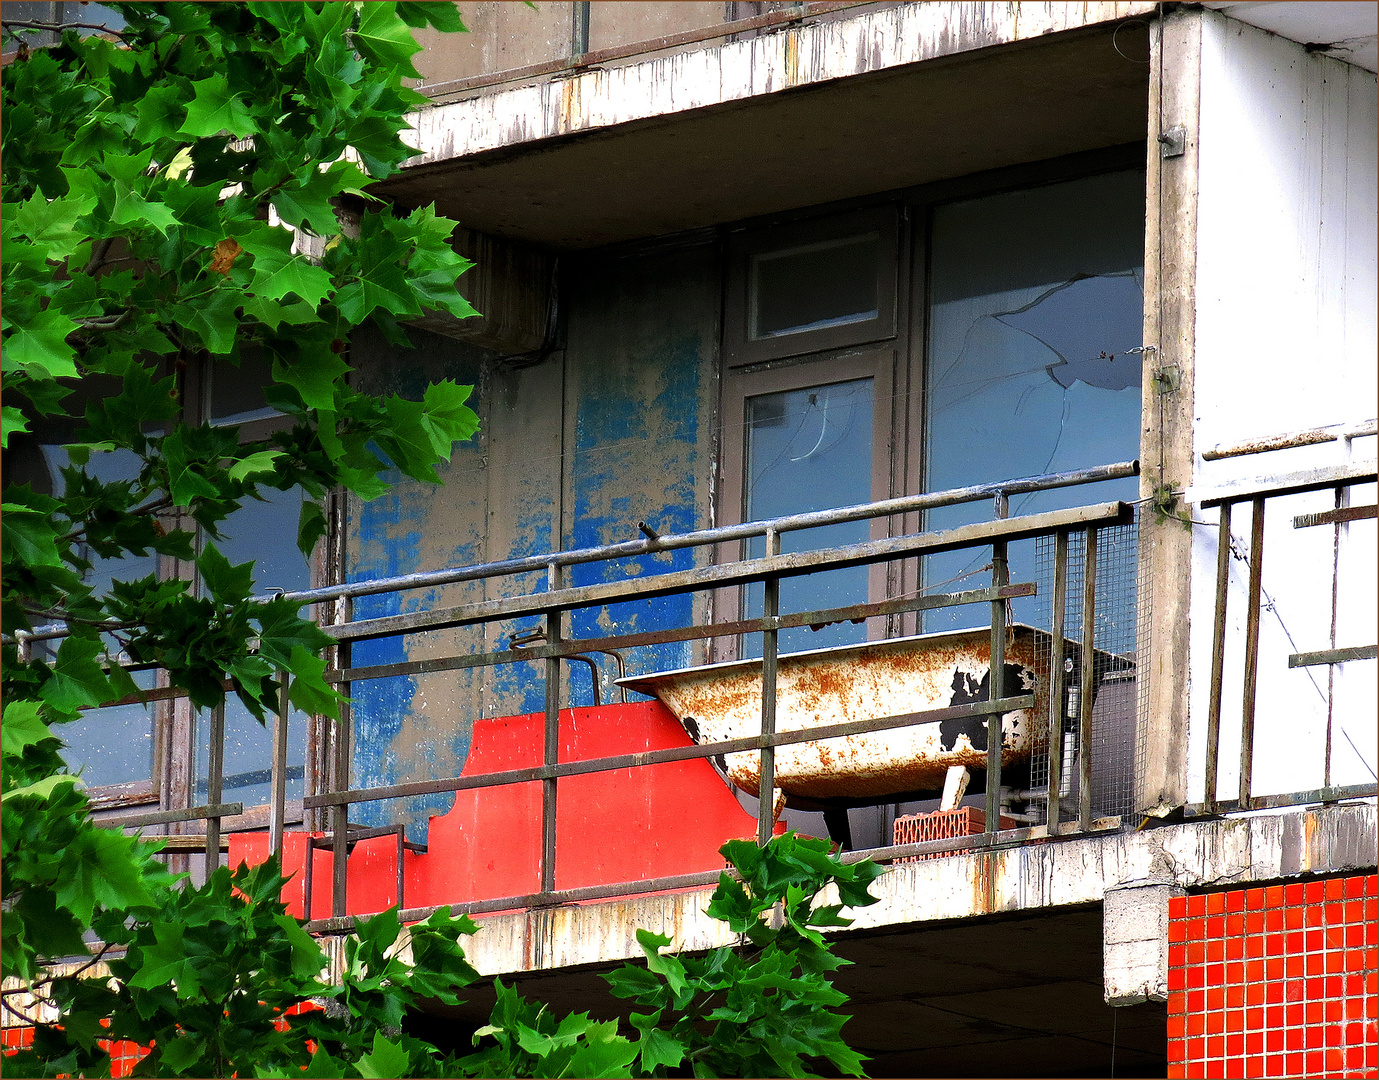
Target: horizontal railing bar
pixel 690 633
pixel 660 757
pixel 1333 656
pixel 164 817
pixel 1290 440
pixel 736 573
pixel 1336 517
pixel 905 504
pixel 345 924
pixel 1295 483
pixel 1272 802
pixel 721 534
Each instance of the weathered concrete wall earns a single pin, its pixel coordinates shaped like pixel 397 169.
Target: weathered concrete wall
pixel 642 356
pixel 574 450
pixel 1285 325
pixel 1028 878
pixel 699 78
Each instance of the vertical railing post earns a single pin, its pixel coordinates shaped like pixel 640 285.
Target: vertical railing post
pixel 995 726
pixel 215 779
pixel 1247 710
pixel 1218 654
pixel 551 737
pixel 766 790
pixel 277 805
pixel 339 815
pixel 1342 499
pixel 1087 694
pixel 1057 682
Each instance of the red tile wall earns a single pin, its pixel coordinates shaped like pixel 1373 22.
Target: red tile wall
pixel 1278 981
pixel 124 1055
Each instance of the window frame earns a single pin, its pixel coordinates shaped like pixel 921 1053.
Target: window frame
pixel 878 363
pixel 740 348
pixel 904 435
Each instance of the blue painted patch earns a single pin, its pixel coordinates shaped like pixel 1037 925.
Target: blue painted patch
pixel 614 451
pixel 380 706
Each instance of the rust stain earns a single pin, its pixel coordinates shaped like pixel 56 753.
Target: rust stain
pixel 857 683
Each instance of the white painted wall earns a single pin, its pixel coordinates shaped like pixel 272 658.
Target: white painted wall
pixel 1285 340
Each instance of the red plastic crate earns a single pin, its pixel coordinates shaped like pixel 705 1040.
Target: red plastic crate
pixel 942 825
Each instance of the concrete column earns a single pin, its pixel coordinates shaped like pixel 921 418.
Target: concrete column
pixel 1135 941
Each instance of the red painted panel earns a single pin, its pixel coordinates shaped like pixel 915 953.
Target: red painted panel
pixel 629 825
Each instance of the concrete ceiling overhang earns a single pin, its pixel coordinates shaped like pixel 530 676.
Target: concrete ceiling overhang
pixel 948 117
pixel 1345 29
pixel 1018 996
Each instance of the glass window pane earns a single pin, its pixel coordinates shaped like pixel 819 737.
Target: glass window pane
pixel 1036 300
pixel 810 449
pixel 799 289
pixel 237 392
pixel 114 745
pixel 266 532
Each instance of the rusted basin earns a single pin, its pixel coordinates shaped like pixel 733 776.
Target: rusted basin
pixel 859 682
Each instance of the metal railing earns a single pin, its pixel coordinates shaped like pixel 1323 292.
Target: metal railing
pixel 558 599
pixel 1257 495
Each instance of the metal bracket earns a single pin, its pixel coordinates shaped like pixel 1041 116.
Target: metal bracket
pixel 1173 142
pixel 1168 379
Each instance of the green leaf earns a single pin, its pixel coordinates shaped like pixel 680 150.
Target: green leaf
pixel 443 16
pixel 228 584
pixel 77 679
pixel 273 314
pixel 14 423
pixel 446 418
pixel 29 536
pixel 316 377
pixel 22 727
pixel 311 526
pixel 255 464
pixel 180 1053
pixel 43 789
pixel 160 113
pixel 278 272
pixel 309 203
pixel 216 108
pixel 384 39
pixel 212 317
pixel 309 692
pixel 387 1059
pixel 39 347
pixel 668 967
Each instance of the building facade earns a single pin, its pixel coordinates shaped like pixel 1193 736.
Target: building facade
pixel 1076 303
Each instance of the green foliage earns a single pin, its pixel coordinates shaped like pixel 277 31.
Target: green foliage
pixel 208 976
pixel 169 206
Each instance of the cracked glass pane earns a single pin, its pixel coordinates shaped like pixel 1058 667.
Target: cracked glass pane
pixel 1036 302
pixel 810 449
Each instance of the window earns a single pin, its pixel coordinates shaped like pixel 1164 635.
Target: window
pixel 986 333
pixel 809 444
pixel 815 285
pixel 134 754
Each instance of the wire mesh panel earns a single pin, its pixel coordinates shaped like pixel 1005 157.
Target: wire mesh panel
pixel 1113 685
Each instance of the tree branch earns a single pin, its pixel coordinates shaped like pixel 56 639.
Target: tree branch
pixel 98 254
pixel 32 24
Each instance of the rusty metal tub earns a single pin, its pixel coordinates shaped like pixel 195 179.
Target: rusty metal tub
pixel 861 682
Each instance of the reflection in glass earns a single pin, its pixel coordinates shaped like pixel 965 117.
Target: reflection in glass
pixel 806 450
pixel 832 283
pixel 237 392
pixel 266 532
pixel 1036 302
pixel 114 745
